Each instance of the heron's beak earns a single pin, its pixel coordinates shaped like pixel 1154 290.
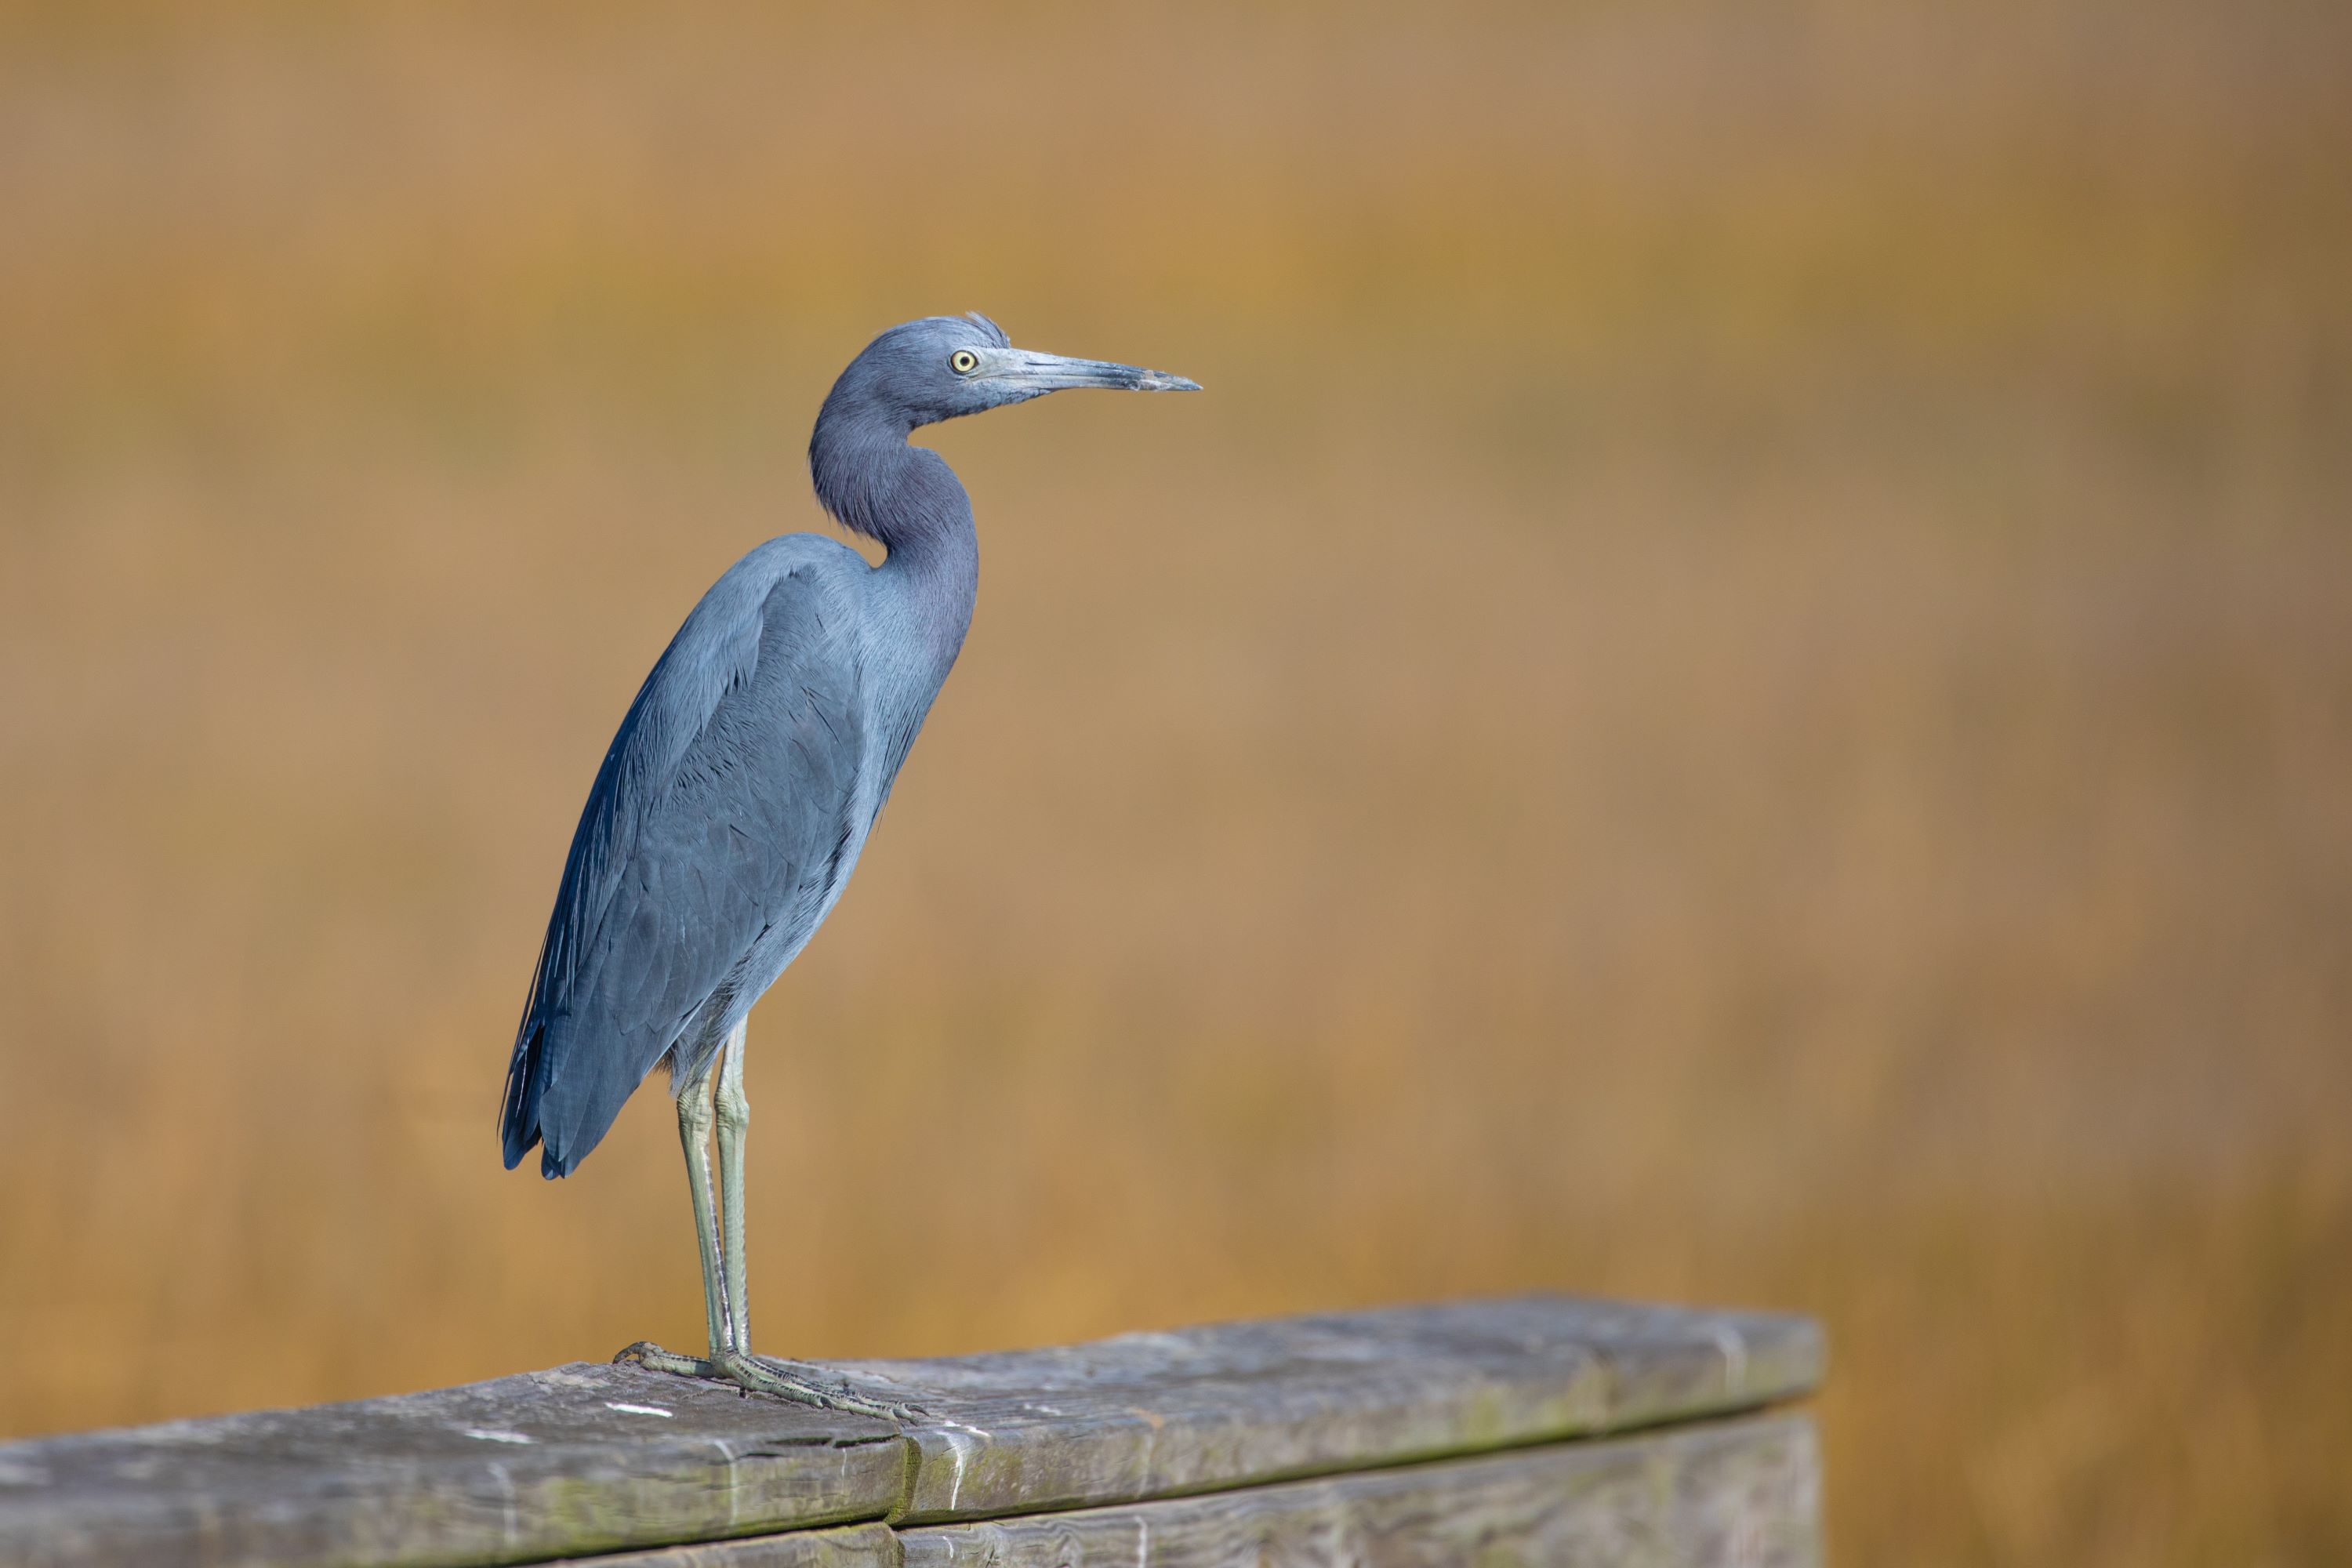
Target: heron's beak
pixel 1035 372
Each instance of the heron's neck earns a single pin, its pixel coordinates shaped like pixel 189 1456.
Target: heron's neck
pixel 908 500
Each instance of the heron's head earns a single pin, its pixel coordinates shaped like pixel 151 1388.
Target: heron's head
pixel 944 367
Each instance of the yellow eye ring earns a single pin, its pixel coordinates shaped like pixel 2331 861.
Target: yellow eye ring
pixel 964 361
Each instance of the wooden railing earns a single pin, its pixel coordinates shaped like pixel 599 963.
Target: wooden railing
pixel 1534 1430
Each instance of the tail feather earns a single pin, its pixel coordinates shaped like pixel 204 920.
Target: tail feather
pixel 526 1083
pixel 563 1110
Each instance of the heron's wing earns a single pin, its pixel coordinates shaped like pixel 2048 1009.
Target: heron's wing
pixel 720 814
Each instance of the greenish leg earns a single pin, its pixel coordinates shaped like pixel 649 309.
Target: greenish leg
pixel 724 1291
pixel 694 1119
pixel 734 1117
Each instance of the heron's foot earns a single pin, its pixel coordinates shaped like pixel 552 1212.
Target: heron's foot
pixel 810 1385
pixel 653 1358
pixel 794 1381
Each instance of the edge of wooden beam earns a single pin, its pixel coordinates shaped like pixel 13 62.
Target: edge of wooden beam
pixel 588 1458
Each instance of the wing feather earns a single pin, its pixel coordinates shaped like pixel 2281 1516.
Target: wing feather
pixel 716 825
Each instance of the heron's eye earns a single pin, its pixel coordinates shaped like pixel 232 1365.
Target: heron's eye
pixel 964 361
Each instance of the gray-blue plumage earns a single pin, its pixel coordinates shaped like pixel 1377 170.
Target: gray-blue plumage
pixel 737 795
pixel 722 825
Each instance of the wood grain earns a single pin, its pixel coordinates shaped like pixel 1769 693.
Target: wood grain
pixel 581 1458
pixel 1738 1494
pixel 586 1458
pixel 848 1546
pixel 1157 1415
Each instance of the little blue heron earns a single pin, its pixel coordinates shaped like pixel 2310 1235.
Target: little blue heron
pixel 731 806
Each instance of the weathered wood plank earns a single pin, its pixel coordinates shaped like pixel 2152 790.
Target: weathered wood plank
pixel 581 1458
pixel 600 1458
pixel 848 1546
pixel 1145 1416
pixel 1740 1493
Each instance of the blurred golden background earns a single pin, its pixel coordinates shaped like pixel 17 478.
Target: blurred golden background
pixel 1740 691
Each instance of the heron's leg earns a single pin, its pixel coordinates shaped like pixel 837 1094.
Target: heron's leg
pixel 723 1259
pixel 694 1119
pixel 806 1384
pixel 734 1116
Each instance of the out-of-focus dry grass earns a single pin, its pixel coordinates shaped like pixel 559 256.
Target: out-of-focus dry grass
pixel 1740 691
